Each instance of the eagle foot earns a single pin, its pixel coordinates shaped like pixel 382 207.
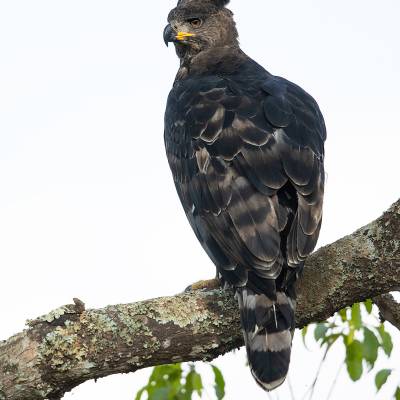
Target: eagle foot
pixel 205 285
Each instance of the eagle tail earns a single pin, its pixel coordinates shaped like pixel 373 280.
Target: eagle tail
pixel 268 328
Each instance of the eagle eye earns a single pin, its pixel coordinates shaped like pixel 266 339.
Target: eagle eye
pixel 195 22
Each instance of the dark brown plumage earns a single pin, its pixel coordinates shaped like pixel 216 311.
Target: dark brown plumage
pixel 246 151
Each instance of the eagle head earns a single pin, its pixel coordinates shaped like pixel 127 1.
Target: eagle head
pixel 198 25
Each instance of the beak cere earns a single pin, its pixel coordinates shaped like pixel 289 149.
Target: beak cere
pixel 183 35
pixel 170 35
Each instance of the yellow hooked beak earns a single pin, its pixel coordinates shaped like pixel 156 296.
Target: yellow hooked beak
pixel 184 35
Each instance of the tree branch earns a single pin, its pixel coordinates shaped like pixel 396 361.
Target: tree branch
pixel 389 309
pixel 71 345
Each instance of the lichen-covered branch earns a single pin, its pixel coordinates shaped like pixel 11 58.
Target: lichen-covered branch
pixel 71 345
pixel 389 309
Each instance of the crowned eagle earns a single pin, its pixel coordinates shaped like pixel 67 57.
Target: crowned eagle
pixel 246 151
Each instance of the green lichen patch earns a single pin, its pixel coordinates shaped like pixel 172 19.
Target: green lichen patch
pixel 60 350
pixel 99 323
pixel 99 331
pixel 132 323
pixel 126 325
pixel 182 311
pixel 54 316
pixel 199 310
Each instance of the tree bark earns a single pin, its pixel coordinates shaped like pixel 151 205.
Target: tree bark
pixel 71 345
pixel 389 309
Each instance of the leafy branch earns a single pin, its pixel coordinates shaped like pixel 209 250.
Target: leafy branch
pixel 358 328
pixel 364 338
pixel 180 382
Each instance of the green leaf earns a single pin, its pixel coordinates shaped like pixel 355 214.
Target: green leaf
pixel 320 331
pixel 354 357
pixel 304 334
pixel 370 347
pixel 386 340
pixel 171 372
pixel 162 393
pixel 350 336
pixel 381 378
pixel 343 314
pixel 219 383
pixel 368 306
pixel 356 320
pixel 194 383
pixel 397 394
pixel 140 393
pixel 164 383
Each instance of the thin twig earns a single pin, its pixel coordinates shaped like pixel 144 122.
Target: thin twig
pixel 335 381
pixel 312 387
pixel 319 372
pixel 291 388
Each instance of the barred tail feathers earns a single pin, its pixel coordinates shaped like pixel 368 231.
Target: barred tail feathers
pixel 268 328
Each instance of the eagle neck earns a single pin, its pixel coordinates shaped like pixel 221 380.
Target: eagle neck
pixel 217 60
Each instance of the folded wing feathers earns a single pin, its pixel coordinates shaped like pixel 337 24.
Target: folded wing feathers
pixel 267 160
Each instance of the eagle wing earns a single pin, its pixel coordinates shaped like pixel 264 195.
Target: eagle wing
pixel 247 161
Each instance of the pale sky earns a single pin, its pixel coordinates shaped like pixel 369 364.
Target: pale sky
pixel 87 204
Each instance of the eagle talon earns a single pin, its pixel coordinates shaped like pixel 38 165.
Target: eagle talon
pixel 210 284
